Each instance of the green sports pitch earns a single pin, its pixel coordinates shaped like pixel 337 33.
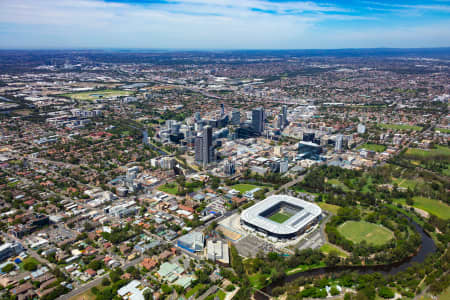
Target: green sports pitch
pixel 280 217
pixel 358 231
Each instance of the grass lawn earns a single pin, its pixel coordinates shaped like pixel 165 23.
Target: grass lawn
pixel 280 217
pixel 297 189
pixel 337 183
pixel 88 295
pixel 365 189
pixel 327 248
pixel 373 147
pixel 255 280
pixel 219 294
pixel 303 268
pixel 435 207
pixel 194 290
pixel 400 127
pixel 170 188
pixel 364 231
pixel 329 207
pixel 406 183
pixel 437 151
pixel 244 187
pixel 443 130
pixel 92 95
pixel 444 296
pixel 28 259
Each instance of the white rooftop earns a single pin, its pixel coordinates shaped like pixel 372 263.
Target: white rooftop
pixel 292 225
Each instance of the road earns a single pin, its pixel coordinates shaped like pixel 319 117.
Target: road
pixel 31 252
pixel 287 185
pixel 85 287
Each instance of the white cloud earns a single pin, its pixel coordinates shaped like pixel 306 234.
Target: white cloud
pixel 190 24
pixel 394 7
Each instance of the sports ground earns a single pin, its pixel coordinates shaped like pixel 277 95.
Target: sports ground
pixel 92 95
pixel 358 231
pixel 280 217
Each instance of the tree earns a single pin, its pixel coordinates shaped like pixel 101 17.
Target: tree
pixel 95 265
pixel 8 268
pixel 332 259
pixel 166 289
pixel 105 281
pixel 385 292
pixel 230 288
pixel 30 265
pixel 148 295
pixel 334 291
pixel 115 275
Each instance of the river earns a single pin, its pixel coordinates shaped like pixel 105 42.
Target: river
pixel 427 247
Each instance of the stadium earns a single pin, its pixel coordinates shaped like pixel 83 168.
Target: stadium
pixel 280 217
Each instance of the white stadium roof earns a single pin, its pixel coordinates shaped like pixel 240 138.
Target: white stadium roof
pixel 295 223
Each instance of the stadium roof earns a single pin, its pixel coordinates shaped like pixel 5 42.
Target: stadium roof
pixel 292 225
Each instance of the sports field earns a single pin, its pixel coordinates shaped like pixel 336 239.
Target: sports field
pixel 280 217
pixel 373 147
pixel 358 231
pixel 92 95
pixel 170 188
pixel 400 127
pixel 244 187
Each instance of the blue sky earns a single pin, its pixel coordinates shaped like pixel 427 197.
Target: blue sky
pixel 222 24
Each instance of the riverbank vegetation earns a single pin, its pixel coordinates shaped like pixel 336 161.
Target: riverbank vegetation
pixel 379 204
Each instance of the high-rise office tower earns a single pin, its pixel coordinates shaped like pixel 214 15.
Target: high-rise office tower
pixel 197 117
pixel 169 124
pixel 284 165
pixel 208 150
pixel 258 120
pixel 229 167
pixel 280 123
pixel 198 148
pixel 284 112
pixel 235 117
pixel 338 145
pixel 222 109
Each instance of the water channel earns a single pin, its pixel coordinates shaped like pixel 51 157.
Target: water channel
pixel 427 247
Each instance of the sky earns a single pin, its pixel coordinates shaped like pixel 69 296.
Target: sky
pixel 222 24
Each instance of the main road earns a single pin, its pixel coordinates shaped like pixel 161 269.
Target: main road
pixel 85 287
pixel 287 185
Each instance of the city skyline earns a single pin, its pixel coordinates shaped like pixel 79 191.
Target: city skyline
pixel 201 24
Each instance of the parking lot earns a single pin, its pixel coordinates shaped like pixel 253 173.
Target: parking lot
pixel 58 233
pixel 313 241
pixel 250 245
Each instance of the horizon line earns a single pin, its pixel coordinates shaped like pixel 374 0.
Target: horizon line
pixel 221 49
